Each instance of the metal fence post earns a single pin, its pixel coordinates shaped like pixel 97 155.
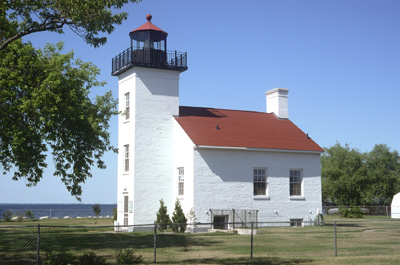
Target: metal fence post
pixel 251 248
pixel 155 243
pixel 335 240
pixel 38 246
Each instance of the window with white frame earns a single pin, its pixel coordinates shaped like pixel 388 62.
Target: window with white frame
pixel 296 180
pixel 181 181
pixel 126 96
pixel 126 157
pixel 260 181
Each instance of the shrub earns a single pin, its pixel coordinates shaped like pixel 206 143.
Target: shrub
pixel 20 216
pixel 126 256
pixel 163 217
pixel 90 258
pixel 61 258
pixel 7 215
pixel 178 217
pixel 353 212
pixel 29 214
pixel 96 209
pixel 115 214
pixel 67 258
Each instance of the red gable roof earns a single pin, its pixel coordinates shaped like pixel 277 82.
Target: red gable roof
pixel 246 129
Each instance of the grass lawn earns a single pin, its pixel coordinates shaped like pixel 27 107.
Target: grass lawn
pixel 372 242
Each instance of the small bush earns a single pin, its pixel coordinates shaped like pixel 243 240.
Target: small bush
pixel 163 217
pixel 178 217
pixel 20 217
pixel 61 258
pixel 29 214
pixel 90 258
pixel 7 216
pixel 115 214
pixel 67 258
pixel 353 212
pixel 126 256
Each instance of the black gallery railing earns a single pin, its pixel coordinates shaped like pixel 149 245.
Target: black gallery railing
pixel 173 60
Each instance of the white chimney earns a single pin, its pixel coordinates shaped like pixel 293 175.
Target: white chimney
pixel 277 102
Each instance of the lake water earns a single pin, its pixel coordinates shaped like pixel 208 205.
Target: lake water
pixel 59 210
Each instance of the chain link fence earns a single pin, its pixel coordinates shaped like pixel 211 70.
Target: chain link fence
pixel 365 209
pixel 298 241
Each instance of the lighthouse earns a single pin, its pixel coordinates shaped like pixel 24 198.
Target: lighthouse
pixel 148 82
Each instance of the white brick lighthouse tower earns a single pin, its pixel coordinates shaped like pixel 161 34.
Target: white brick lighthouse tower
pixel 148 79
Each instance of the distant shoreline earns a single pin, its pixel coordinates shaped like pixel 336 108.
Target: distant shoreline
pixel 56 210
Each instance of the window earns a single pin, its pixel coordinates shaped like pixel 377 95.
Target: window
pixel 126 106
pixel 126 157
pixel 296 222
pixel 260 181
pixel 296 180
pixel 181 181
pixel 126 210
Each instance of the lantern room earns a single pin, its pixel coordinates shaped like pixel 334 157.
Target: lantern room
pixel 149 49
pixel 149 36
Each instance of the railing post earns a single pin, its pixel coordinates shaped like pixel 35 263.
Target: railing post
pixel 251 248
pixel 155 242
pixel 335 239
pixel 176 59
pixel 38 246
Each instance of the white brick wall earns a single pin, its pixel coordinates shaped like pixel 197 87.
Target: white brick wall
pixel 223 179
pixel 154 101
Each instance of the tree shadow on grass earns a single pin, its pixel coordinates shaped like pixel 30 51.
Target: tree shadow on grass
pixel 264 261
pixel 101 240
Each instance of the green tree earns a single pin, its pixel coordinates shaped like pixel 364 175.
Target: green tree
pixel 96 209
pixel 178 217
pixel 383 169
pixel 87 18
pixel 351 178
pixel 163 219
pixel 29 214
pixel 343 176
pixel 45 105
pixel 7 215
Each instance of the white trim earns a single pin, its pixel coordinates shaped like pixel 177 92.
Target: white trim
pixel 255 149
pixel 261 197
pixel 297 198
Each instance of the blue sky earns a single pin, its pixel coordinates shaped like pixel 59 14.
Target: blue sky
pixel 339 59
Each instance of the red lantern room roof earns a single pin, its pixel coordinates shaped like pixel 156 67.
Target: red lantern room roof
pixel 149 26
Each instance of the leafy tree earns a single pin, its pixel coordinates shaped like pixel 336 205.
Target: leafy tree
pixel 29 214
pixel 343 176
pixel 351 178
pixel 46 104
pixel 178 217
pixel 96 209
pixel 87 18
pixel 7 215
pixel 163 219
pixel 383 168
